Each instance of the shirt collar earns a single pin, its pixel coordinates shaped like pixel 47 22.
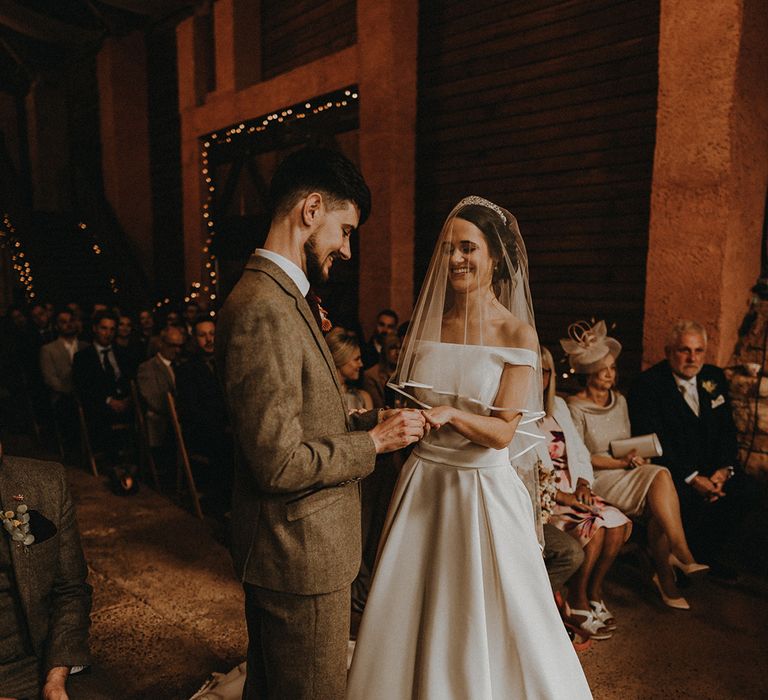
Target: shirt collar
pixel 288 266
pixel 101 348
pixel 685 383
pixel 166 362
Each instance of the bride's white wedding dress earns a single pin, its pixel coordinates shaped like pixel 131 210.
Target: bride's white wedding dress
pixel 461 607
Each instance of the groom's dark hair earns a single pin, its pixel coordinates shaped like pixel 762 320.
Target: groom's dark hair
pixel 322 170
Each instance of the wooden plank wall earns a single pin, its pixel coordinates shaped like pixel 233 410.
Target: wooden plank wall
pixel 298 32
pixel 548 108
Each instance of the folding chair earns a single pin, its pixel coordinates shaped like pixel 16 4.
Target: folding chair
pixel 145 453
pixel 85 440
pixel 183 456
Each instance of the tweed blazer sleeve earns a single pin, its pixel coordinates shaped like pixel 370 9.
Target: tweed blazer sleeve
pixel 70 595
pixel 291 438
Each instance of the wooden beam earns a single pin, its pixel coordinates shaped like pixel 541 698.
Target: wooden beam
pixel 44 28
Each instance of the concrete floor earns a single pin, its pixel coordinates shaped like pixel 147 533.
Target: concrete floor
pixel 168 611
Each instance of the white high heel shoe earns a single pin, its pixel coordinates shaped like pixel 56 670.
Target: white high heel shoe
pixel 688 569
pixel 677 603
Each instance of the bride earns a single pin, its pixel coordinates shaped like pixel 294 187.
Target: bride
pixel 460 607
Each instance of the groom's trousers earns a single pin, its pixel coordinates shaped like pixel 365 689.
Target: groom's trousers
pixel 297 644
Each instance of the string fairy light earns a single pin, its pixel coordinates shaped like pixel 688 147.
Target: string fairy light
pixel 343 99
pixel 20 263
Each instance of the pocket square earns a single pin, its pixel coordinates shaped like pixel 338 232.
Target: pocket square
pixel 42 528
pixel 719 401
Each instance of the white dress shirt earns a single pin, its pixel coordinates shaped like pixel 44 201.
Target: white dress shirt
pixel 690 392
pixel 288 267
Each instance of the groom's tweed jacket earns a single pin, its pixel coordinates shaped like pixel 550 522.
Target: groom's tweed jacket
pixel 296 500
pixel 50 573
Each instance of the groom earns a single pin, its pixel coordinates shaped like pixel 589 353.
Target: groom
pixel 299 456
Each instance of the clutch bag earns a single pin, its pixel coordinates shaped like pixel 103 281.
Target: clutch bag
pixel 646 446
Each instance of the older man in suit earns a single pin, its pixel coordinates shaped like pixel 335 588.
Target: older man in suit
pixel 299 456
pixel 156 379
pixel 685 402
pixel 45 600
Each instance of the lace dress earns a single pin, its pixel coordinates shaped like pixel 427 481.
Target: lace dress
pixel 460 607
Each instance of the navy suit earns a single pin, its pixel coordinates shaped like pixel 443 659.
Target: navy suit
pixel 703 443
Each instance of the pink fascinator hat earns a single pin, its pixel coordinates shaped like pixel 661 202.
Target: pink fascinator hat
pixel 588 345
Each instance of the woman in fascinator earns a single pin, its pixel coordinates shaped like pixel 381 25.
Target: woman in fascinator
pixel 642 490
pixel 460 604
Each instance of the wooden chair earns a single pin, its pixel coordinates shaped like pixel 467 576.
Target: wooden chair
pixel 146 460
pixel 85 440
pixel 183 456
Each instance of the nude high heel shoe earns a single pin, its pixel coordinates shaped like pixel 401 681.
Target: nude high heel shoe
pixel 677 603
pixel 687 569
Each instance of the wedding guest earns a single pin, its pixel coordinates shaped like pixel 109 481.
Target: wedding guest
pixel 102 384
pixel 345 349
pixel 191 314
pixel 146 329
pixel 77 316
pixel 642 490
pixel 56 360
pixel 130 346
pixel 386 323
pixel 376 378
pixel 601 529
pixel 203 416
pixel 57 356
pixel 685 402
pixel 45 601
pixel 156 378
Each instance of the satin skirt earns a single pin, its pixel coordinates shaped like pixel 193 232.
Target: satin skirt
pixel 460 607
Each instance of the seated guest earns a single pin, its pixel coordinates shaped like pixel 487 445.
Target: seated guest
pixel 56 360
pixel 77 316
pixel 156 378
pixel 191 314
pixel 132 350
pixel 376 378
pixel 203 415
pixel 45 601
pixel 146 330
pixel 386 323
pixel 599 528
pixel 639 489
pixel 102 385
pixel 685 402
pixel 346 356
pixel 57 356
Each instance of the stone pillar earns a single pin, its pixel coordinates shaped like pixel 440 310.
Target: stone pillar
pixel 387 47
pixel 710 170
pixel 122 76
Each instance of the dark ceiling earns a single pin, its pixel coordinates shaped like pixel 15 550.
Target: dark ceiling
pixel 38 35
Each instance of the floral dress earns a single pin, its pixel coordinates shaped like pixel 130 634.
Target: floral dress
pixel 581 525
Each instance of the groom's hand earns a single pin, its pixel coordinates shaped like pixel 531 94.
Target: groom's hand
pixel 399 429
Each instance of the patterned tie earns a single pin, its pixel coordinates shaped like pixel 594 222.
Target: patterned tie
pixel 318 312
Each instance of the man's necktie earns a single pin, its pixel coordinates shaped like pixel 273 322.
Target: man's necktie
pixel 691 396
pixel 318 312
pixel 109 370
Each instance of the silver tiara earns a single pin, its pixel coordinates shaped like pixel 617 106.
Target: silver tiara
pixel 474 199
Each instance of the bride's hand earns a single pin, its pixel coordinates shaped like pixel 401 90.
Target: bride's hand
pixel 438 416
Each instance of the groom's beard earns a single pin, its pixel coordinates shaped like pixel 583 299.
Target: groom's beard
pixel 315 273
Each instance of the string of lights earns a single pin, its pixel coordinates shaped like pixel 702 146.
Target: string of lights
pixel 345 98
pixel 19 259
